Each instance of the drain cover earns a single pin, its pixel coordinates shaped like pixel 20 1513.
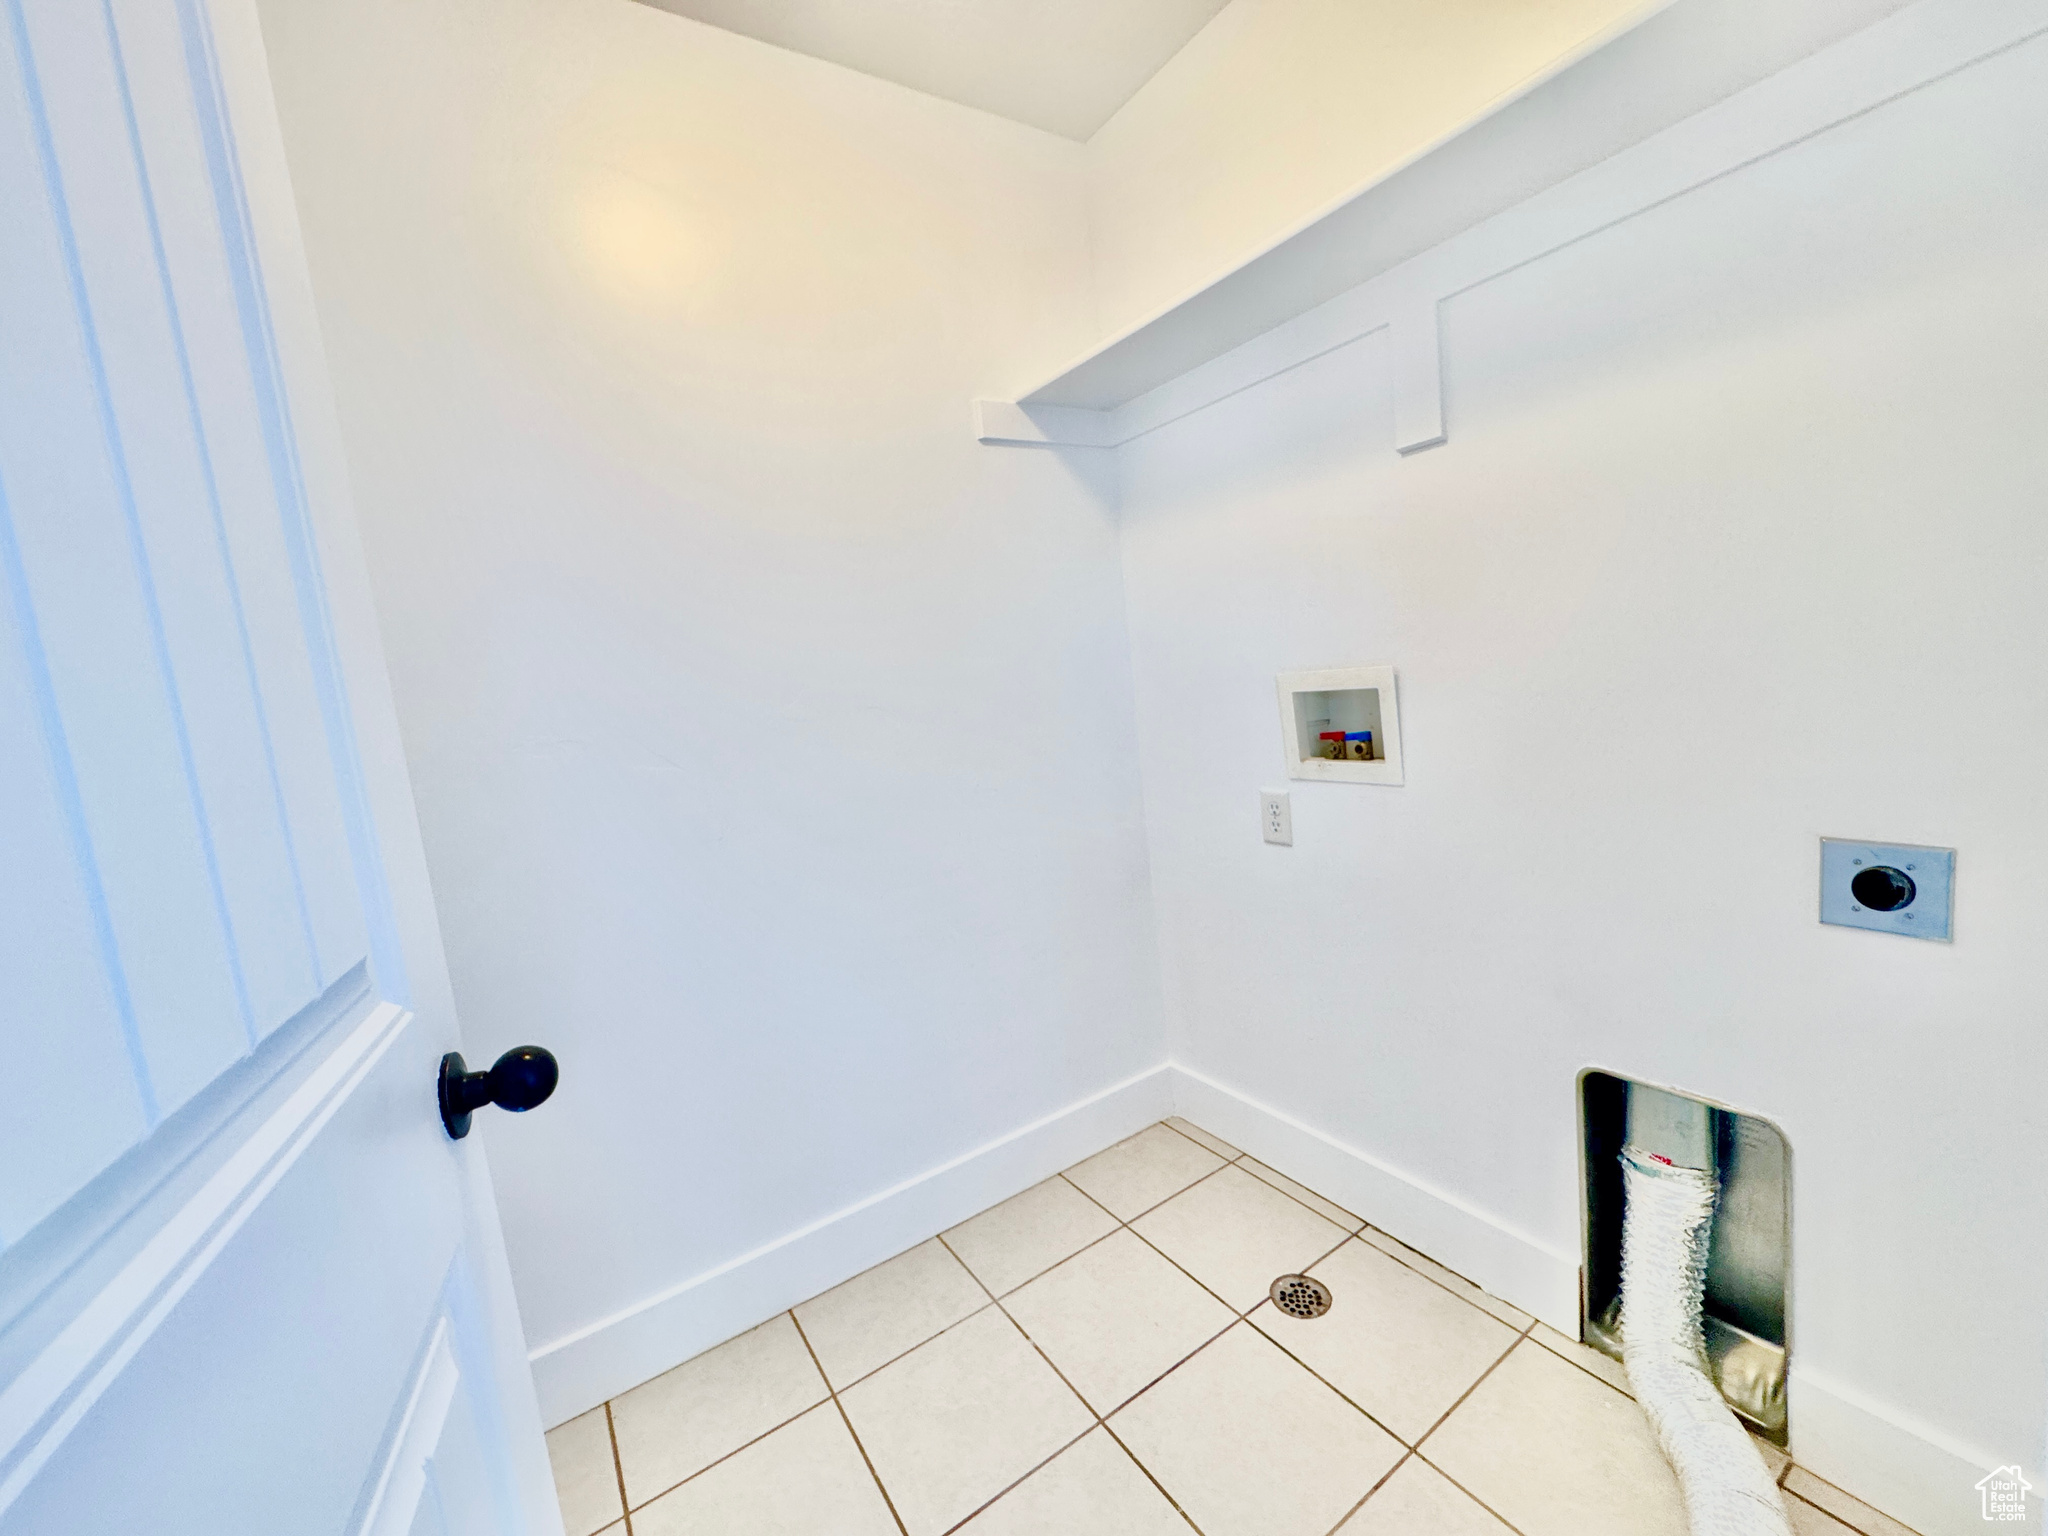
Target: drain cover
pixel 1300 1296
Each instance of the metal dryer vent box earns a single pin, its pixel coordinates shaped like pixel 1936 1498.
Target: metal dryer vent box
pixel 1749 1260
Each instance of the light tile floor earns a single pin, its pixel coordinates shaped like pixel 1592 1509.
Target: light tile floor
pixel 1097 1357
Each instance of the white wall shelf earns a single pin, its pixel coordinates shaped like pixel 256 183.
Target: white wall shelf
pixel 1651 115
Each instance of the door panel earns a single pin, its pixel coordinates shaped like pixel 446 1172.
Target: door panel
pixel 262 1397
pixel 244 1367
pixel 437 1475
pixel 246 1282
pixel 205 863
pixel 70 1106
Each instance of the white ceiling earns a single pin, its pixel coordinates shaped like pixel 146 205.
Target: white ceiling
pixel 1061 65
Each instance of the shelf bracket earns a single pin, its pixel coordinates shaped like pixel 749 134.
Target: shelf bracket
pixel 1417 343
pixel 1042 426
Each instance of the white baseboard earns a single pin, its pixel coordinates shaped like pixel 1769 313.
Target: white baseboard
pixel 577 1372
pixel 1910 1470
pixel 1875 1451
pixel 1512 1265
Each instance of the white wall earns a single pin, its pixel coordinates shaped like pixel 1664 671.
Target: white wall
pixel 1737 541
pixel 772 739
pixel 1278 109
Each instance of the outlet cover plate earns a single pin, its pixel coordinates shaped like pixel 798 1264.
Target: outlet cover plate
pixel 1276 817
pixel 1932 871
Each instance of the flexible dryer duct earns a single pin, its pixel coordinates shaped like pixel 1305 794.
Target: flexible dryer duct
pixel 1668 1218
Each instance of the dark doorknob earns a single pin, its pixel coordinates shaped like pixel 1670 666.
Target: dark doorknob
pixel 521 1078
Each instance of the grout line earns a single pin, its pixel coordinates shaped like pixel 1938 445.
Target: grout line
pixel 1830 1514
pixel 1386 1429
pixel 1110 1430
pixel 808 1408
pixel 1358 1233
pixel 1386 1477
pixel 1236 1315
pixel 1437 1280
pixel 1520 1339
pixel 1552 1350
pixel 1445 1416
pixel 1582 1366
pixel 940 1238
pixel 920 1344
pixel 1433 1263
pixel 618 1467
pixel 1025 1334
pixel 1086 1407
pixel 1183 1360
pixel 1359 1223
pixel 833 1397
pixel 1572 1360
pixel 1112 1215
pixel 1029 1473
pixel 1141 1237
pixel 991 1295
pixel 1205 1178
pixel 1235 1319
pixel 1440 1472
pixel 1184 1136
pixel 1092 1242
pixel 1326 1253
pixel 996 1302
pixel 880 1487
pixel 1240 1316
pixel 1245 1316
pixel 1383 1428
pixel 1100 1422
pixel 728 1456
pixel 1834 1515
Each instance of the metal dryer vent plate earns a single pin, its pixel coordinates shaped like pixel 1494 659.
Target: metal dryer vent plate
pixel 1749 1371
pixel 1902 888
pixel 1300 1296
pixel 1749 1265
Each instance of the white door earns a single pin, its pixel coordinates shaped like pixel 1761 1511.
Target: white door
pixel 247 1283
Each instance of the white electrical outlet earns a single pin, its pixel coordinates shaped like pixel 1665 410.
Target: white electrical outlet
pixel 1276 817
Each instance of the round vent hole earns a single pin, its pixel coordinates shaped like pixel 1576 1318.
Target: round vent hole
pixel 1300 1296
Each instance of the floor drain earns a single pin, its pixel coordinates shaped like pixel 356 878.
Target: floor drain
pixel 1300 1296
